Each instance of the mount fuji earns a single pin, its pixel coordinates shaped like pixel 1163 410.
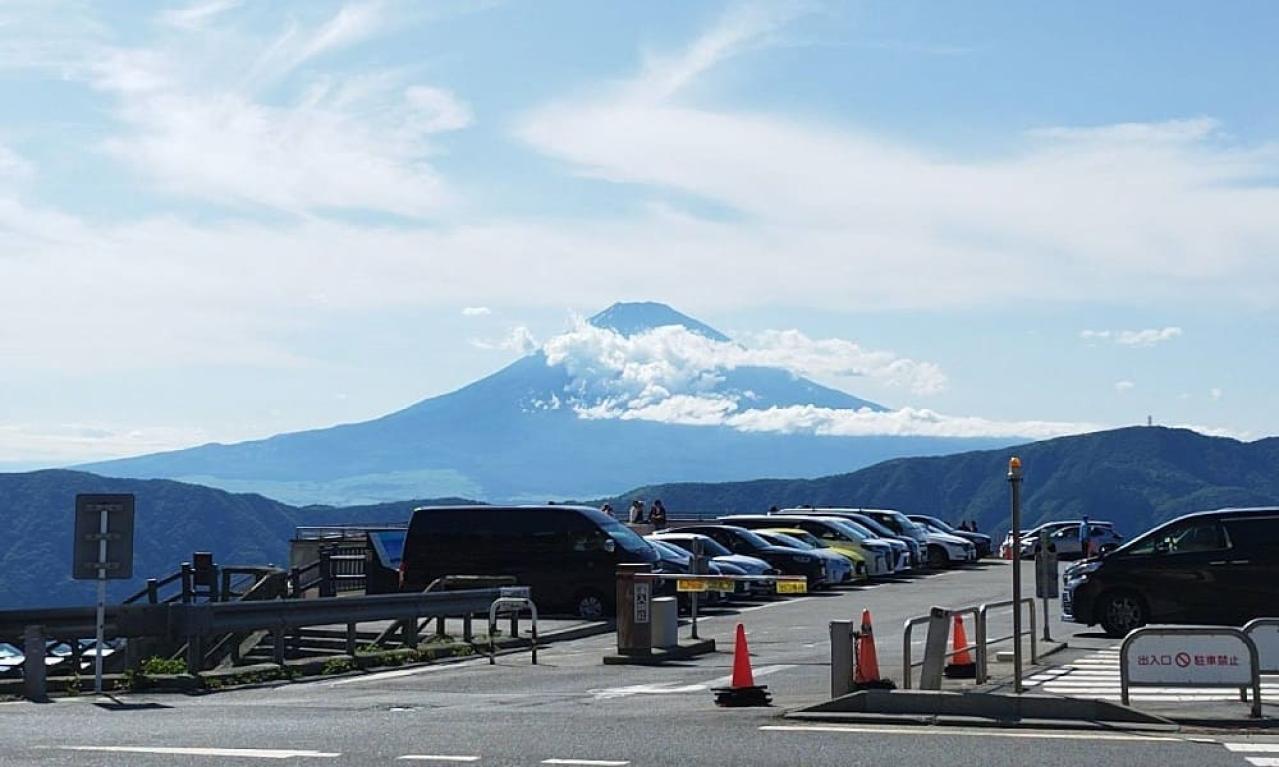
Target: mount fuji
pixel 553 426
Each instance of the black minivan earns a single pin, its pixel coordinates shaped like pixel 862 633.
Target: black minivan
pixel 1214 567
pixel 568 555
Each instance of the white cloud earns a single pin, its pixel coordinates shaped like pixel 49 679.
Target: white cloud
pixel 476 311
pixel 13 166
pixel 1124 387
pixel 1216 393
pixel 809 419
pixel 71 443
pixel 196 119
pixel 647 369
pixel 197 15
pixel 519 340
pixel 1148 337
pixel 841 216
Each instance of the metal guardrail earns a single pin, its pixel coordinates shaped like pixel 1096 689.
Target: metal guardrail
pixel 980 646
pixel 908 630
pixel 513 599
pixel 984 640
pixel 196 623
pixel 1264 632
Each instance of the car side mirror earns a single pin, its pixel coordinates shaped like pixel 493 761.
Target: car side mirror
pixel 610 545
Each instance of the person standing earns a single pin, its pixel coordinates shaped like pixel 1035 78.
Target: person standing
pixel 1085 538
pixel 657 515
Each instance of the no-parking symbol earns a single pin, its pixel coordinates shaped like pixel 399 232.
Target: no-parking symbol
pixel 1183 659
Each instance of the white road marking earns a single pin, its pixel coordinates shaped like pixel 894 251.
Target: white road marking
pixel 438 758
pixel 1263 761
pixel 396 674
pixel 588 762
pixel 246 753
pixel 974 733
pixel 675 688
pixel 1256 748
pixel 766 606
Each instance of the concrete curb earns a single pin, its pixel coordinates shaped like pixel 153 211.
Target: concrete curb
pixel 658 657
pixel 981 709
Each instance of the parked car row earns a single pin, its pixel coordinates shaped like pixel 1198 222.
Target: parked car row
pixel 1063 538
pixel 569 555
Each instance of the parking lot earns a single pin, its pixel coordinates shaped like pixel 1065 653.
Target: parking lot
pixel 569 706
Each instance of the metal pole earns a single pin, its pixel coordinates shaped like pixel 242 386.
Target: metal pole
pixel 697 570
pixel 1014 481
pixel 102 601
pixel 1047 636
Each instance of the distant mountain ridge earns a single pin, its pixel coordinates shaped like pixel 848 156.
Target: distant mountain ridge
pixel 508 437
pixel 1135 477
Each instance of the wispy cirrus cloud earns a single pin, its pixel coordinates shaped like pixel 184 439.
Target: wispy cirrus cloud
pixel 197 118
pixel 1147 337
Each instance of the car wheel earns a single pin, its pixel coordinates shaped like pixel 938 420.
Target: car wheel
pixel 589 605
pixel 1120 612
pixel 938 558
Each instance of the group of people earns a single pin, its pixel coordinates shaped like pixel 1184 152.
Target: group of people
pixel 969 526
pixel 635 515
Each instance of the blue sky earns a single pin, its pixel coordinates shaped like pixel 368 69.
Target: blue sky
pixel 225 220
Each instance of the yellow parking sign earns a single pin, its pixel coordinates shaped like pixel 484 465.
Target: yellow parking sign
pixel 690 584
pixel 798 586
pixel 718 584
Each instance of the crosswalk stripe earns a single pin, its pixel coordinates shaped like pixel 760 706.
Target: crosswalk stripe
pixel 1255 748
pixel 1263 761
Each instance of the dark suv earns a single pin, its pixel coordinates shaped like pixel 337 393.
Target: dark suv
pixel 1214 567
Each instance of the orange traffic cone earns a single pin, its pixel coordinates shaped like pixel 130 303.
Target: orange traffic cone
pixel 963 666
pixel 743 690
pixel 866 671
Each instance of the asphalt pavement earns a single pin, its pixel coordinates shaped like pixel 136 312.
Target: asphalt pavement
pixel 572 709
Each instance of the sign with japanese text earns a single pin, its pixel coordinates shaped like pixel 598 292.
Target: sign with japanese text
pixel 690 584
pixel 643 594
pixel 1189 659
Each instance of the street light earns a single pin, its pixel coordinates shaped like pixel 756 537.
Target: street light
pixel 1014 481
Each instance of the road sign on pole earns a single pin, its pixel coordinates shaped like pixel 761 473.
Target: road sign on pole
pixel 1014 481
pixel 1046 579
pixel 102 551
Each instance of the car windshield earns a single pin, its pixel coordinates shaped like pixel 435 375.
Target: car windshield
pixel 874 527
pixel 671 553
pixel 710 546
pixel 808 538
pixel 625 537
pixel 752 539
pixel 852 530
pixel 782 539
pixel 939 524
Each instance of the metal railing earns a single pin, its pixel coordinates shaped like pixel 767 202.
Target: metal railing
pixel 909 628
pixel 513 599
pixel 198 623
pixel 985 641
pixel 980 646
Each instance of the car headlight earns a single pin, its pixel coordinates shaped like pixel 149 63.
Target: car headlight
pixel 1081 570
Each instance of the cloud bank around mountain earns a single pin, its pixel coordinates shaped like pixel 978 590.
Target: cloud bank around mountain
pixel 673 375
